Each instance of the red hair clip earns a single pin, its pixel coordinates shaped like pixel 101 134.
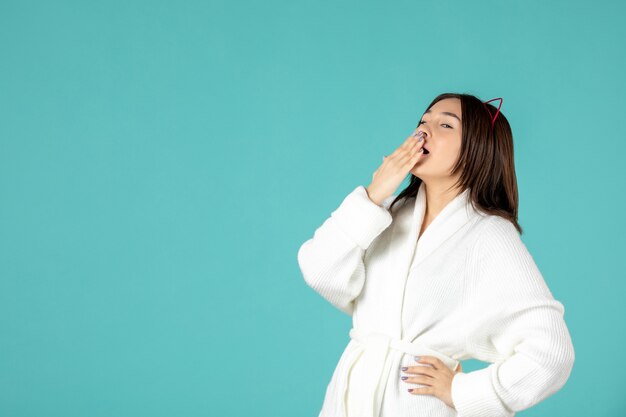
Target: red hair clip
pixel 493 120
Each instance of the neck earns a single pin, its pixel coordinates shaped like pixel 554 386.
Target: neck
pixel 438 195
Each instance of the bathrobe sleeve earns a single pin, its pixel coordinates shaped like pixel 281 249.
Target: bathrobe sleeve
pixel 513 317
pixel 332 260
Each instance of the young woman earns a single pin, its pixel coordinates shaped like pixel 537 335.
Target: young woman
pixel 436 275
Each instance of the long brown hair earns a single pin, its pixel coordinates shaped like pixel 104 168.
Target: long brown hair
pixel 486 160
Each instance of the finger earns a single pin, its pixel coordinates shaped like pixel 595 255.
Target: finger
pixel 410 152
pixel 415 134
pixel 402 148
pixel 417 137
pixel 406 156
pixel 408 143
pixel 423 380
pixel 435 362
pixel 422 390
pixel 411 158
pixel 419 370
pixel 419 151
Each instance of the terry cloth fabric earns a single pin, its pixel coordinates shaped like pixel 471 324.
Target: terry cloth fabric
pixel 468 288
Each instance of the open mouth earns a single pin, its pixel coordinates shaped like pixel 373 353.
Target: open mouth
pixel 426 151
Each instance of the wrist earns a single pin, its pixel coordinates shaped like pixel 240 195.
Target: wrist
pixel 374 198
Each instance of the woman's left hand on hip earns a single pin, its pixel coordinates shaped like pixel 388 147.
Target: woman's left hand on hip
pixel 438 378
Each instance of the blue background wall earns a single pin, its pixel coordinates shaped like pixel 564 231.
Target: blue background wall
pixel 162 162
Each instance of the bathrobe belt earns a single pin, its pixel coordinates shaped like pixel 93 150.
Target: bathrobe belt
pixel 378 357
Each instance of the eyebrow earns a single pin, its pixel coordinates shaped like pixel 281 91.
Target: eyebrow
pixel 447 113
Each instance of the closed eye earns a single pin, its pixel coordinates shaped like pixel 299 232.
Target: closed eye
pixel 443 124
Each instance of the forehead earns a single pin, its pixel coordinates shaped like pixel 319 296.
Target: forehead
pixel 452 105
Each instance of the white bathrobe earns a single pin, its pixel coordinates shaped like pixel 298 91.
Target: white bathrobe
pixel 468 288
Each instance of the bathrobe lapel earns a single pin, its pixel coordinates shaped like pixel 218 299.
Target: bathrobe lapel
pixel 409 252
pixel 366 383
pixel 453 216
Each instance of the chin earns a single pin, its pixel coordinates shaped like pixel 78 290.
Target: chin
pixel 417 170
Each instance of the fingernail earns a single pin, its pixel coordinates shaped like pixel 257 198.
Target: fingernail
pixel 417 358
pixel 420 138
pixel 404 377
pixel 405 368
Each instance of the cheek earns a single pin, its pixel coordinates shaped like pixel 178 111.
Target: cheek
pixel 446 157
pixel 446 154
pixel 452 151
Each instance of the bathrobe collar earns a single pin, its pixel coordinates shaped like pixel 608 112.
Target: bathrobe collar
pixel 409 253
pixel 453 216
